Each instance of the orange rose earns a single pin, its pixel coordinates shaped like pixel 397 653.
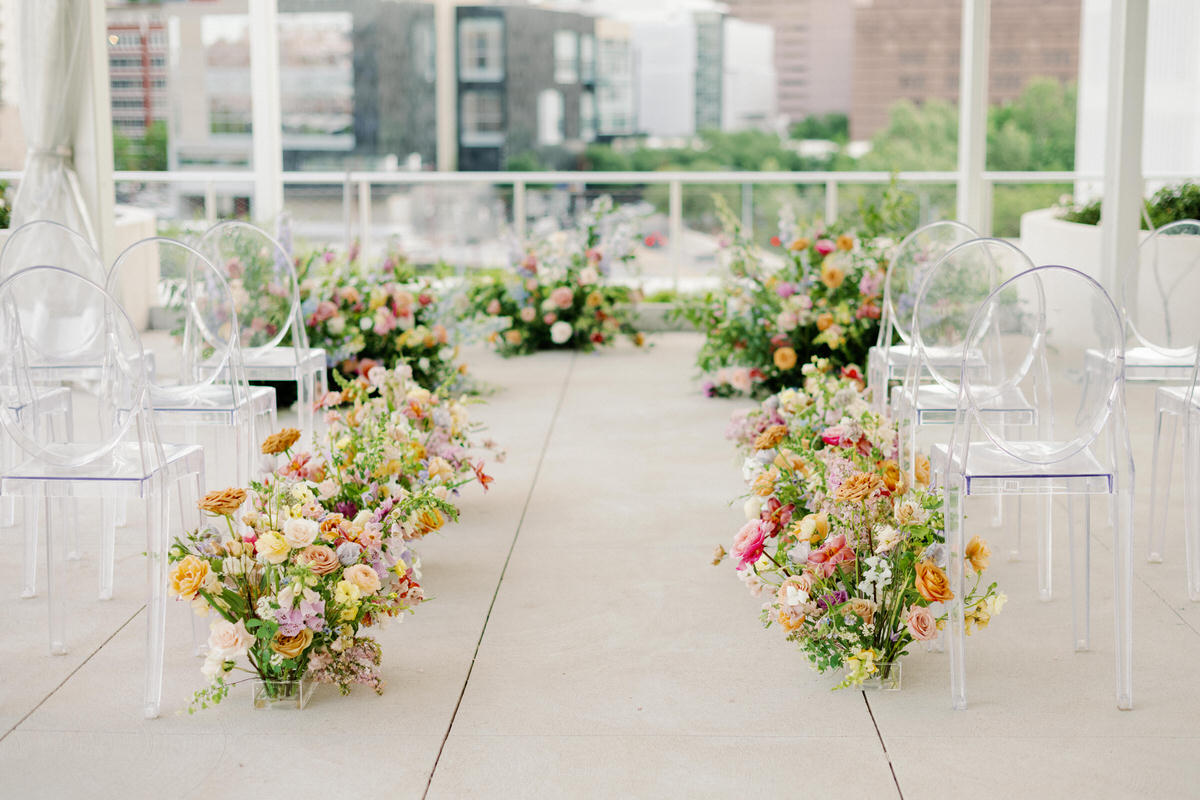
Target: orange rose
pixel 799 244
pixel 188 577
pixel 978 554
pixel 224 502
pixel 512 337
pixel 831 274
pixel 277 443
pixel 770 437
pixel 921 470
pixel 824 321
pixel 932 583
pixel 858 487
pixel 890 471
pixel 845 242
pixel 785 358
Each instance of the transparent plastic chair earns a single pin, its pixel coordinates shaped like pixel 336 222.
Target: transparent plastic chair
pixel 910 261
pixel 55 403
pixel 1066 314
pixel 216 398
pixel 950 293
pixel 1160 297
pixel 115 455
pixel 266 295
pixel 46 243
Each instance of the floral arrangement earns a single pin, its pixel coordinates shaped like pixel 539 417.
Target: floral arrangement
pixel 293 584
pixel 847 548
pixel 557 295
pixel 381 313
pixel 389 437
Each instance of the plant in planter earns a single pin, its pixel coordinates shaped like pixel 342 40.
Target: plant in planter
pixel 5 208
pixel 1169 204
pixel 557 296
pixel 847 549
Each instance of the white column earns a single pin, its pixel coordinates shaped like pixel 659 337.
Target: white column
pixel 1123 184
pixel 972 114
pixel 93 137
pixel 445 25
pixel 264 94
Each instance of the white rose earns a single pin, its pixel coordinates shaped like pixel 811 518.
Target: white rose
pixel 336 325
pixel 300 532
pixel 588 276
pixel 228 640
pixel 560 332
pixel 752 507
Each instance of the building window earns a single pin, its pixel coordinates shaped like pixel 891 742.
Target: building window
pixel 566 57
pixel 550 117
pixel 424 50
pixel 482 120
pixel 481 49
pixel 587 58
pixel 587 116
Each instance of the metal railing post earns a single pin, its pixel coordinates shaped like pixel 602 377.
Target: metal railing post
pixel 347 211
pixel 831 202
pixel 364 218
pixel 675 226
pixel 210 203
pixel 519 212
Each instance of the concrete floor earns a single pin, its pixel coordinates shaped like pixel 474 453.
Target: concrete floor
pixel 579 644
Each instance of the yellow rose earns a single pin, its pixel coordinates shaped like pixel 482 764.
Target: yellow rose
pixel 188 577
pixel 831 274
pixel 845 242
pixel 799 244
pixel 932 583
pixel 785 358
pixel 824 321
pixel 272 548
pixel 292 646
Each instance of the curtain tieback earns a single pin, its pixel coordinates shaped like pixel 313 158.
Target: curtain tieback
pixel 62 151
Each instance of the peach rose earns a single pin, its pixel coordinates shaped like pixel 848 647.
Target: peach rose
pixel 932 583
pixel 277 443
pixel 770 437
pixel 831 274
pixel 785 358
pixel 319 558
pixel 978 554
pixel 562 297
pixel 292 646
pixel 920 623
pixel 364 577
pixel 229 639
pixel 921 470
pixel 224 502
pixel 188 577
pixel 863 607
pixel 858 487
pixel 824 321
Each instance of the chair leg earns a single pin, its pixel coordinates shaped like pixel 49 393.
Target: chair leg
pixel 1045 548
pixel 1165 429
pixel 954 630
pixel 108 544
pixel 157 519
pixel 304 406
pixel 1080 532
pixel 1123 595
pixel 189 492
pixel 1191 511
pixel 31 523
pixel 56 590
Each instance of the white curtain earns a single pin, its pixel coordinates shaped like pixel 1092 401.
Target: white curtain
pixel 53 86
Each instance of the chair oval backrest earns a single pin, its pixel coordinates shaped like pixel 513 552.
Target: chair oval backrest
pixel 1161 294
pixel 952 290
pixel 262 279
pixel 911 261
pixel 46 243
pixel 120 392
pixel 210 332
pixel 1068 316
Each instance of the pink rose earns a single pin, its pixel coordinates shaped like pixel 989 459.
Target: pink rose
pixel 739 378
pixel 920 623
pixel 562 297
pixel 550 318
pixel 493 307
pixel 325 310
pixel 835 551
pixel 229 639
pixel 748 543
pixel 825 246
pixel 528 314
pixel 785 289
pixel 833 435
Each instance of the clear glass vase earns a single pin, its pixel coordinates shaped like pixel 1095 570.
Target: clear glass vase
pixel 289 694
pixel 885 679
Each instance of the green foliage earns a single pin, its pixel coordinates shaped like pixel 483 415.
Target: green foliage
pixel 1169 204
pixel 148 153
pixel 5 207
pixel 834 127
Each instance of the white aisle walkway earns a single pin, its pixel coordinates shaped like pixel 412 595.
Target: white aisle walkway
pixel 580 645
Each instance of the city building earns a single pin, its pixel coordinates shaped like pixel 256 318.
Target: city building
pixel 12 141
pixel 909 49
pixel 814 52
pixel 137 68
pixel 616 109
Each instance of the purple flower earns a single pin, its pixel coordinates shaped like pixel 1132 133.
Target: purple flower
pixel 832 599
pixel 347 509
pixel 291 621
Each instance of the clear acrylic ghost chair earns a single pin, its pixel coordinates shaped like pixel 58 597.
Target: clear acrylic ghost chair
pixel 1179 404
pixel 1160 299
pixel 266 294
pixel 950 293
pixel 1064 313
pixel 209 389
pixel 114 455
pixel 40 243
pixel 912 258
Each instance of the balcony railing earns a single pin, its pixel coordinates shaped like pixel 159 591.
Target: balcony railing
pixel 357 187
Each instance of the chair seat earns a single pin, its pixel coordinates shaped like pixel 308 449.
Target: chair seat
pixel 216 397
pixel 990 470
pixel 60 372
pixel 1146 364
pixel 121 466
pixel 1173 399
pixel 899 356
pixel 937 405
pixel 282 363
